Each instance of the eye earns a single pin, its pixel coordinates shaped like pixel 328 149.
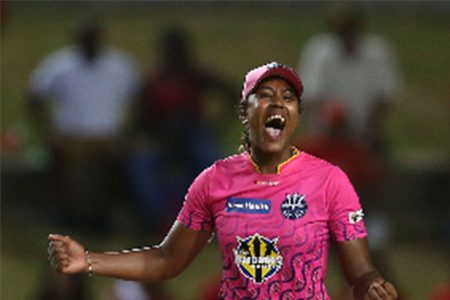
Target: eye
pixel 264 95
pixel 289 97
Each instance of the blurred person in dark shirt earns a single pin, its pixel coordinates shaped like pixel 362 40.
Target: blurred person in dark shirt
pixel 55 286
pixel 172 123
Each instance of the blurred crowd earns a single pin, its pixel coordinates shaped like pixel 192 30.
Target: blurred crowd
pixel 106 125
pixel 125 144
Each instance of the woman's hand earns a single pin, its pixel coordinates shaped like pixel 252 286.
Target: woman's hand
pixel 66 255
pixel 381 291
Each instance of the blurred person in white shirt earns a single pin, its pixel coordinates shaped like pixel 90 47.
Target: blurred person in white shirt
pixel 80 96
pixel 355 68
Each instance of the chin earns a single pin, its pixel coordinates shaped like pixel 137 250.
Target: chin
pixel 273 148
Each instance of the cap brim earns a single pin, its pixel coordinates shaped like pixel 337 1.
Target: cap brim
pixel 283 73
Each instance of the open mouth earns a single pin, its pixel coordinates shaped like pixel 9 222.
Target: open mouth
pixel 274 125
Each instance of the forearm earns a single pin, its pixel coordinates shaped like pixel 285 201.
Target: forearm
pixel 145 265
pixel 361 275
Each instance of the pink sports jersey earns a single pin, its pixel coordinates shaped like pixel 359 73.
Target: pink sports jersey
pixel 274 229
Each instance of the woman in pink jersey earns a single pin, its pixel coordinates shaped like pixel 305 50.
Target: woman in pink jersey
pixel 273 209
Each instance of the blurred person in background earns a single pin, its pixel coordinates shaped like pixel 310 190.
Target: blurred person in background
pixel 209 289
pixel 132 290
pixel 335 143
pixel 441 291
pixel 79 96
pixel 355 68
pixel 357 71
pixel 176 140
pixel 54 286
pixel 4 11
pixel 273 208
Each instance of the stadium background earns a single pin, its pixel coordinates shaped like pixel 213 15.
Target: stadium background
pixel 232 37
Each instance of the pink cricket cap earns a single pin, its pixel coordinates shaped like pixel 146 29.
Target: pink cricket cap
pixel 257 75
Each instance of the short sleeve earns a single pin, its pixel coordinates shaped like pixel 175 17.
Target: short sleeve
pixel 312 65
pixel 344 208
pixel 387 81
pixel 44 77
pixel 129 72
pixel 195 213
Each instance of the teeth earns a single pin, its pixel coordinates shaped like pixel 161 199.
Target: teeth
pixel 271 118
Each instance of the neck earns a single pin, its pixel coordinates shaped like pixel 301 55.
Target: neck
pixel 268 162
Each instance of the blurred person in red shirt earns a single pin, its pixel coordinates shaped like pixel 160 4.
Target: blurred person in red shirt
pixel 334 142
pixel 4 11
pixel 441 292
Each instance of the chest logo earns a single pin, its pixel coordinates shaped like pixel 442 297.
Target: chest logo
pixel 248 205
pixel 294 206
pixel 257 257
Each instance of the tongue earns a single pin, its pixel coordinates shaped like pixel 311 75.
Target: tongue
pixel 273 132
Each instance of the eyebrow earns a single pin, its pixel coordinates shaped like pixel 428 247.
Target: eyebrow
pixel 262 87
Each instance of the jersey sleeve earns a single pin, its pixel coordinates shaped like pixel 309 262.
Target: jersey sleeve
pixel 195 213
pixel 344 208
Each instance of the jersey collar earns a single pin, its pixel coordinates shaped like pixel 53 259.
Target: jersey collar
pixel 295 153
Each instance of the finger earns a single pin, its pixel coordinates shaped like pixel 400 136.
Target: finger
pixel 58 237
pixel 59 263
pixel 55 237
pixel 58 246
pixel 381 292
pixel 62 255
pixel 373 293
pixel 58 254
pixel 390 289
pixel 55 248
pixel 54 262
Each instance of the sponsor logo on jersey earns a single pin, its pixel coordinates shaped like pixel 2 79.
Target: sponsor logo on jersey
pixel 267 182
pixel 257 257
pixel 355 216
pixel 248 205
pixel 294 206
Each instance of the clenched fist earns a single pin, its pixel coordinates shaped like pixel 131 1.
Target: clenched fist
pixel 381 291
pixel 66 255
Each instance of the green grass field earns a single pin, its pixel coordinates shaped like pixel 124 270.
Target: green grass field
pixel 231 38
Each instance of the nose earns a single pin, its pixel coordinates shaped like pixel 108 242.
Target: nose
pixel 278 100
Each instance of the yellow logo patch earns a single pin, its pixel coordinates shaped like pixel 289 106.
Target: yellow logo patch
pixel 257 257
